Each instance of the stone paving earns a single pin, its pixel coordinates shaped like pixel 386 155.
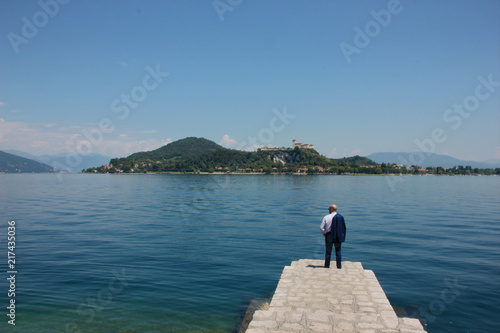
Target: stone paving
pixel 311 298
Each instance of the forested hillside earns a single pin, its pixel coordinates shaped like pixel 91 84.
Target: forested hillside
pixel 10 163
pixel 202 155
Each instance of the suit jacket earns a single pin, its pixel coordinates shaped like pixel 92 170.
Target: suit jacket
pixel 338 229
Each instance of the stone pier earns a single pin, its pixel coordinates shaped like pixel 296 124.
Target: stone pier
pixel 311 298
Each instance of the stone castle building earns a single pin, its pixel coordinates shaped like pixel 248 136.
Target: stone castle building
pixel 302 145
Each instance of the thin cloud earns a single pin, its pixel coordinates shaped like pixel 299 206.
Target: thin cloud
pixel 31 138
pixel 355 152
pixel 126 148
pixel 40 139
pixel 227 141
pixel 253 147
pixel 332 152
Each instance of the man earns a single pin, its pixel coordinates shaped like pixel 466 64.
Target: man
pixel 333 228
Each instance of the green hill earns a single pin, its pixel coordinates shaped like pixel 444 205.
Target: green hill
pixel 199 154
pixel 10 163
pixel 355 161
pixel 178 150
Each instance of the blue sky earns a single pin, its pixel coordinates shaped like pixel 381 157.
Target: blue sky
pixel 351 77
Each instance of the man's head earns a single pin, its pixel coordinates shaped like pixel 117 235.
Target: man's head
pixel 332 208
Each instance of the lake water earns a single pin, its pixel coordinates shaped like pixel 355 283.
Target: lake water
pixel 187 253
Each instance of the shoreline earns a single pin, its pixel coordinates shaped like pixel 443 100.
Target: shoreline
pixel 279 174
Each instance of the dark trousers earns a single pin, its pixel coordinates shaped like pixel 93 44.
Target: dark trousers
pixel 328 255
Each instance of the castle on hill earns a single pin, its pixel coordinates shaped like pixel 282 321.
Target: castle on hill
pixel 302 145
pixel 294 144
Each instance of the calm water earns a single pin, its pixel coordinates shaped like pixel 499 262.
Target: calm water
pixel 185 253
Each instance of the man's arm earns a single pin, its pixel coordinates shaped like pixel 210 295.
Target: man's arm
pixel 323 227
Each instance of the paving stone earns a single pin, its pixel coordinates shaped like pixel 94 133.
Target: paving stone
pixel 367 309
pixel 319 315
pixel 295 317
pixel 367 304
pixel 343 316
pixel 264 315
pixel 347 301
pixel 279 316
pixel 320 327
pixel 370 325
pixel 334 300
pixel 368 319
pixel 411 323
pixel 256 330
pixel 292 326
pixel 263 323
pixel 390 319
pixel 345 327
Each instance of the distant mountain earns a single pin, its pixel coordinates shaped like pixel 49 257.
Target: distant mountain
pixel 60 161
pixel 10 163
pixel 494 161
pixel 428 160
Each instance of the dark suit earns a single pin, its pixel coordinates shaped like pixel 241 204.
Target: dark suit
pixel 335 237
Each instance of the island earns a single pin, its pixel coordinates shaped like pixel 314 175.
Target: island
pixel 198 155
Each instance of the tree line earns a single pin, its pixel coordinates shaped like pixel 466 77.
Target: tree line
pixel 307 161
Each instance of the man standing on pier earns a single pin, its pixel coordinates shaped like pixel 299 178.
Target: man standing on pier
pixel 333 228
